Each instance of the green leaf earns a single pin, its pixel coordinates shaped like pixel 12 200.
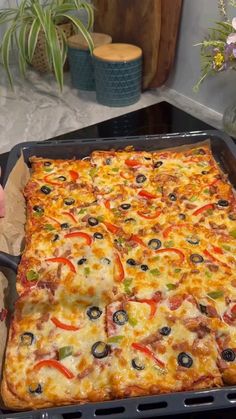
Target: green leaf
pixel 47 169
pixel 65 351
pixel 233 233
pixel 206 191
pixel 193 198
pixel 133 322
pixel 115 169
pixel 82 211
pixel 155 272
pixel 87 271
pixel 177 270
pixel 127 283
pixel 48 227
pixel 5 50
pixel 79 25
pixel 215 294
pixel 171 286
pixel 55 49
pixel 89 8
pixel 115 339
pixel 33 38
pixel 208 274
pixel 32 275
pixel 168 243
pixel 226 247
pixel 93 171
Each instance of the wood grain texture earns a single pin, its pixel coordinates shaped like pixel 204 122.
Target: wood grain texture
pixel 170 18
pixel 136 22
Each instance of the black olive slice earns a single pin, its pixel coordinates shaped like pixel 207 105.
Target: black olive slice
pixel 154 244
pixel 47 163
pixel 69 201
pixel 205 172
pixel 125 206
pixel 94 312
pixel 81 261
pixel 55 237
pixel 129 220
pixel 185 360
pixel 62 178
pixel 137 364
pixel 106 261
pixel 147 158
pixel 201 151
pixel 38 209
pixel 108 161
pixel 120 317
pixel 182 216
pixel 92 221
pixel 27 338
pixel 232 216
pixel 158 164
pixel 228 355
pixel 141 178
pixel 131 262
pixel 203 309
pixel 195 258
pixel 192 240
pixel 35 389
pixel 64 226
pixel 144 267
pixel 165 331
pixel 98 236
pixel 100 349
pixel 45 189
pixel 223 203
pixel 172 197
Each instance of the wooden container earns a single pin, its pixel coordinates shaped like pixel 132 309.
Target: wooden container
pixel 118 71
pixel 81 65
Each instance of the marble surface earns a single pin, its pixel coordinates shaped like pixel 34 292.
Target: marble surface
pixel 36 110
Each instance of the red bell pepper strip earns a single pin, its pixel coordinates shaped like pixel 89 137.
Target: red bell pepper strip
pixel 111 227
pixel 125 175
pixel 85 236
pixel 168 230
pixel 69 214
pixel 137 240
pixel 107 203
pixel 65 261
pixel 149 216
pixel 202 209
pixel 119 270
pixel 54 364
pixel 233 310
pixel 214 259
pixel 51 182
pixel 64 326
pixel 214 182
pixel 145 350
pixel 152 304
pixel 218 250
pixel 132 163
pixel 74 175
pixel 172 249
pixel 146 194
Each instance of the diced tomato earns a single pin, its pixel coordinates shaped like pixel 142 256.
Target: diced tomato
pixel 146 194
pixel 54 364
pixel 233 310
pixel 175 301
pixel 64 326
pixel 145 350
pixel 82 235
pixel 74 175
pixel 218 250
pixel 149 216
pixel 132 163
pixel 107 203
pixel 173 250
pixel 69 214
pixel 119 270
pixel 65 261
pixel 202 209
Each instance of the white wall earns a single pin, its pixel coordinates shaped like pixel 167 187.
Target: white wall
pixel 216 92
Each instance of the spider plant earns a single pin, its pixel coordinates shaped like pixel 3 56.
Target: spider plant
pixel 25 22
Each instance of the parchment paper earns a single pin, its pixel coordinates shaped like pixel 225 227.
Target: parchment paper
pixel 11 237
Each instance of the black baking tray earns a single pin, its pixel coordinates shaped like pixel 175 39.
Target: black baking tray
pixel 224 151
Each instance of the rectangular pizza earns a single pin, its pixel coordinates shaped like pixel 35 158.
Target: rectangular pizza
pixel 127 283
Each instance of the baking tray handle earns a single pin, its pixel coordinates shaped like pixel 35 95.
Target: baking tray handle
pixel 9 261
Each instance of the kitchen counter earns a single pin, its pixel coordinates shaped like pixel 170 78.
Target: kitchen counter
pixel 37 111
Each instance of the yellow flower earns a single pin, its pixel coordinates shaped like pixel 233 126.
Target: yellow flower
pixel 218 59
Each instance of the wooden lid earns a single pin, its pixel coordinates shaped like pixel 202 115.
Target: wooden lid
pixel 117 52
pixel 78 41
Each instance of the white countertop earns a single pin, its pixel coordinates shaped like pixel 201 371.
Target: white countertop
pixel 36 110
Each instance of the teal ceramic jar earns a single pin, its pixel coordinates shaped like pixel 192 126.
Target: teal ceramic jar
pixel 80 60
pixel 118 72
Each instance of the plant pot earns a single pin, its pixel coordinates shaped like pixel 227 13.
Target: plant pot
pixel 40 59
